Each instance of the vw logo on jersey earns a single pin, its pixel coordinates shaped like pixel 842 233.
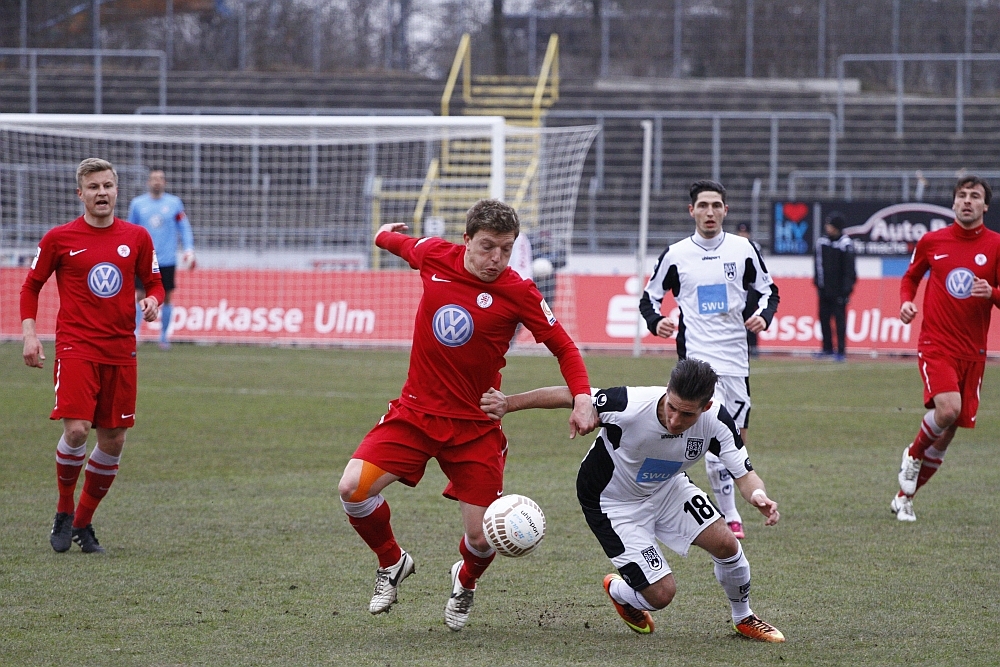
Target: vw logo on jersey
pixel 959 283
pixel 105 280
pixel 452 325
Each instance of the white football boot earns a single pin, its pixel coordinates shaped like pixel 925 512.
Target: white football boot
pixel 909 470
pixel 456 611
pixel 902 507
pixel 387 580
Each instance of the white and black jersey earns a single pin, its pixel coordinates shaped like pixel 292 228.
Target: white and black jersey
pixel 634 454
pixel 710 278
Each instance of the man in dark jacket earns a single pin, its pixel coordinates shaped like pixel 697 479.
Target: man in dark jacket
pixel 834 279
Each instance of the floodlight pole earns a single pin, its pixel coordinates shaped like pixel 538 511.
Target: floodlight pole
pixel 640 255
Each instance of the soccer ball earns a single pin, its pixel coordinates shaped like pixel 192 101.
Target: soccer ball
pixel 541 267
pixel 514 525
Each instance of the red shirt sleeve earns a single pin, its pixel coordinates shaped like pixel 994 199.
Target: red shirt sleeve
pixel 914 274
pixel 145 263
pixel 400 245
pixel 41 268
pixel 571 365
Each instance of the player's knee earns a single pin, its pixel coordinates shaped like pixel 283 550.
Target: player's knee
pixel 660 593
pixel 478 541
pixel 359 481
pixel 75 433
pixel 348 487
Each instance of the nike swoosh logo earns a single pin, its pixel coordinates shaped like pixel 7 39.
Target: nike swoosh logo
pixel 435 278
pixel 940 256
pixel 394 581
pixel 499 493
pixel 128 416
pixel 76 252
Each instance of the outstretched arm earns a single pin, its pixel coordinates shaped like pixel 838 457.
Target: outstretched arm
pixel 496 404
pixel 752 489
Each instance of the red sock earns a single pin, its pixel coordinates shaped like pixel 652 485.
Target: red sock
pixel 101 471
pixel 925 436
pixel 375 530
pixel 69 462
pixel 95 487
pixel 473 566
pixel 927 469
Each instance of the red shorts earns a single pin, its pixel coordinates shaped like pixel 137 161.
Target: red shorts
pixel 103 394
pixel 471 453
pixel 942 374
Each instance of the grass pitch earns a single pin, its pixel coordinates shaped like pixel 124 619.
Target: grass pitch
pixel 227 544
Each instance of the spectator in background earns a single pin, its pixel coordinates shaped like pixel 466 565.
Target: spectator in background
pixel 753 296
pixel 163 216
pixel 834 279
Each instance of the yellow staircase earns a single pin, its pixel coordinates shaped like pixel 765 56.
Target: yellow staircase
pixel 460 175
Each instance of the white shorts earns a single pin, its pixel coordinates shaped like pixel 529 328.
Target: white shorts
pixel 733 391
pixel 675 514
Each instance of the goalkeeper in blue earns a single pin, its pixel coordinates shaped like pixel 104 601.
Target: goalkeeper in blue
pixel 163 216
pixel 636 495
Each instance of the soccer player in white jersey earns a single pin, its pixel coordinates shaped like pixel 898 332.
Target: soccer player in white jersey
pixel 635 494
pixel 710 274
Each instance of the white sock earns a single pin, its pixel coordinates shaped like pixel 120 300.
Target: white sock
pixel 364 508
pixel 722 487
pixel 734 575
pixel 475 552
pixel 625 594
pixel 933 425
pixel 69 455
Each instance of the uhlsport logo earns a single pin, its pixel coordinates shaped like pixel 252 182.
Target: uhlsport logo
pixel 105 280
pixel 452 325
pixel 959 283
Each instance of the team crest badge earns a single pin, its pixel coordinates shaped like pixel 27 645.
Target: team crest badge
pixel 730 270
pixel 124 250
pixel 484 300
pixel 693 449
pixel 653 558
pixel 980 259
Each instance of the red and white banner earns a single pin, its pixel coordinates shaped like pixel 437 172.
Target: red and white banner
pixel 377 309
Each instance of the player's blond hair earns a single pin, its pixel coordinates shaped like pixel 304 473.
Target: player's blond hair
pixel 92 165
pixel 492 215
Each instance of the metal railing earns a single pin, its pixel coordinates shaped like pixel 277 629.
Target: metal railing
pixel 920 179
pixel 98 55
pixel 775 117
pixel 960 60
pixel 280 111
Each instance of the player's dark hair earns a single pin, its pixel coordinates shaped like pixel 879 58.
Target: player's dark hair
pixel 693 380
pixel 972 181
pixel 93 165
pixel 492 215
pixel 706 186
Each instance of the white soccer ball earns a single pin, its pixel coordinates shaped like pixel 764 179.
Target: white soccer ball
pixel 514 525
pixel 541 268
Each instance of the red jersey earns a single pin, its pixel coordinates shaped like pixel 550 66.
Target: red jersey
pixel 954 322
pixel 95 270
pixel 464 326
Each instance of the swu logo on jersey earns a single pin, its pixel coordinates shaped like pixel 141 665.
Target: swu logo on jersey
pixel 712 299
pixel 105 280
pixel 452 325
pixel 653 558
pixel 656 470
pixel 959 283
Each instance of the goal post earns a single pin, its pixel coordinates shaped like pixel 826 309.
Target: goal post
pixel 284 208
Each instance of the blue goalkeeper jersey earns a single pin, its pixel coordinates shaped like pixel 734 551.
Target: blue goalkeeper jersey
pixel 163 218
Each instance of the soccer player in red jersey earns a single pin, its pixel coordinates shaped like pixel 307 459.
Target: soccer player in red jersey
pixel 471 305
pixel 96 259
pixel 964 264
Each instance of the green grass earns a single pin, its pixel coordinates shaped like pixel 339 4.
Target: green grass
pixel 227 544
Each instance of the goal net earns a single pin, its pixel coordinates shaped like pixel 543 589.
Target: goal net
pixel 284 209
